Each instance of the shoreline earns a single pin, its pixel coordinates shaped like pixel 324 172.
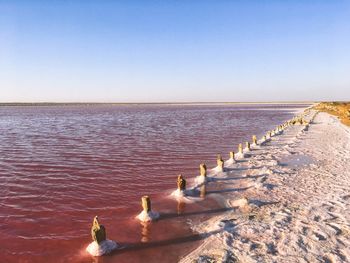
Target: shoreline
pixel 294 209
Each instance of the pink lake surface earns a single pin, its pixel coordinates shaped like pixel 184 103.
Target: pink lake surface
pixel 62 165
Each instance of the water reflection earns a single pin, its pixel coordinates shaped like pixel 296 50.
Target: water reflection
pixel 145 231
pixel 203 191
pixel 180 207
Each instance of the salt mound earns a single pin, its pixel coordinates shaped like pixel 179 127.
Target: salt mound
pixel 240 155
pixel 178 193
pixel 218 169
pixel 182 196
pixel 147 216
pixel 200 180
pixel 105 247
pixel 255 146
pixel 230 161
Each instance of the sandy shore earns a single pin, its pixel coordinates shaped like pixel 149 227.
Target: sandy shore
pixel 288 202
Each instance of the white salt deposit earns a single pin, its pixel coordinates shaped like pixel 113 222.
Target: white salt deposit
pixel 262 141
pixel 105 247
pixel 199 180
pixel 178 193
pixel 255 146
pixel 218 169
pixel 240 156
pixel 246 150
pixel 295 213
pixel 230 162
pixel 147 216
pixel 185 196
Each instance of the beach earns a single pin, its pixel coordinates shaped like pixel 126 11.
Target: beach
pixel 296 206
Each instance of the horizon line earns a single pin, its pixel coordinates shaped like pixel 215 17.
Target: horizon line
pixel 155 103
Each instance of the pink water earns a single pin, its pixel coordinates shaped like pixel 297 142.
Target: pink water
pixel 62 165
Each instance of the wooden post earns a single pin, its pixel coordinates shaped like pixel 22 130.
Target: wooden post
pixel 98 232
pixel 203 169
pixel 240 149
pixel 146 203
pixel 181 183
pixel 255 141
pixel 247 146
pixel 220 163
pixel 232 155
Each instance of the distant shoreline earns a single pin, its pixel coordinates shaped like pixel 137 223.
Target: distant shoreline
pixel 146 103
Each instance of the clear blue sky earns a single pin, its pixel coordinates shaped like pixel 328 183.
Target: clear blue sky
pixel 159 51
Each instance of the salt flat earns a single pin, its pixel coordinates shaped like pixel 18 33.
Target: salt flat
pixel 296 204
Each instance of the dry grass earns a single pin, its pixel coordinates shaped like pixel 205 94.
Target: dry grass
pixel 339 109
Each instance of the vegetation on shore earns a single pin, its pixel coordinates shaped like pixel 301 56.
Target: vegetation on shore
pixel 339 109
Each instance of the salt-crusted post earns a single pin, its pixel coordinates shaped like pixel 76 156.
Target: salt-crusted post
pixel 240 149
pixel 240 154
pixel 147 214
pixel 202 178
pixel 181 183
pixel 220 163
pixel 255 141
pixel 203 169
pixel 100 245
pixel 98 232
pixel 247 146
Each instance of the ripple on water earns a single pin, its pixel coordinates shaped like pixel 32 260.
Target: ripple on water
pixel 62 165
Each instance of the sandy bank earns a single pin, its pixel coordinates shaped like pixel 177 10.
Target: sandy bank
pixel 290 200
pixel 339 109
